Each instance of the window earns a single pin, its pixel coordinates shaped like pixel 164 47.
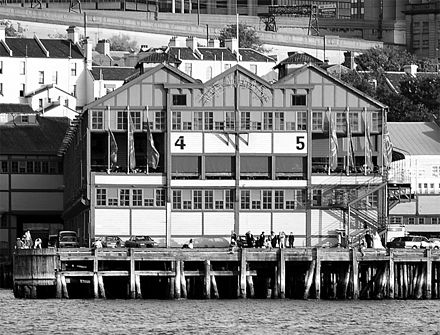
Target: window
pixel 436 171
pixel 301 120
pixel 97 120
pixel 159 120
pixel 121 120
pixel 421 220
pixel 253 68
pixel 137 198
pixel 136 119
pixel 411 220
pixel 124 197
pixel 317 121
pixel 179 99
pixel 197 199
pixel 74 90
pixel 209 199
pixel 279 121
pixel 341 124
pixel 24 119
pixel 267 199
pixel 279 199
pixel 198 121
pixel 160 197
pixel 209 121
pixel 375 121
pixel 177 121
pixel 40 103
pixel 317 198
pixel 268 120
pixel 245 199
pixel 101 197
pixel 4 167
pixel 434 220
pixel 354 122
pixel 299 99
pixel 229 199
pixel 245 121
pixel 55 77
pixel 177 199
pixel 229 121
pixel 22 90
pixel 40 77
pixel 73 69
pixel 22 67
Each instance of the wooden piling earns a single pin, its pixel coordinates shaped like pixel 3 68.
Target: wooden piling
pixel 309 279
pixel 184 293
pixel 59 290
pixel 138 287
pixel 268 287
pixel 390 293
pixel 282 274
pixel 214 287
pixel 346 282
pixel 177 280
pixel 101 286
pixel 172 281
pixel 428 274
pixel 64 287
pixel 95 286
pixel 276 286
pixel 250 285
pixel 207 286
pixel 405 280
pixel 132 284
pixel 318 273
pixel 243 270
pixel 355 274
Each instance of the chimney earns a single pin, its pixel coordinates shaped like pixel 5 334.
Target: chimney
pixel 144 48
pixel 191 42
pixel 410 69
pixel 88 50
pixel 214 43
pixel 2 32
pixel 349 60
pixel 231 44
pixel 176 41
pixel 103 47
pixel 73 34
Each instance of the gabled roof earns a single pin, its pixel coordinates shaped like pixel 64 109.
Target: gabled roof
pixel 415 138
pixel 46 88
pixel 332 78
pixel 157 58
pixel 299 58
pixel 29 47
pixel 241 69
pixel 225 54
pixel 16 109
pixel 44 138
pixel 112 72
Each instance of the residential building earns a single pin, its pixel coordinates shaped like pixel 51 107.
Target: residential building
pixel 235 153
pixel 31 175
pixel 418 144
pixel 47 74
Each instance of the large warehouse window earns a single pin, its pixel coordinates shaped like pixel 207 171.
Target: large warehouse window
pixel 186 167
pixel 255 167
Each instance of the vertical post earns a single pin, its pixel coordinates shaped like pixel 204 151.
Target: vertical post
pixel 172 281
pixel 243 271
pixel 355 267
pixel 428 273
pixel 318 274
pixel 276 286
pixel 64 287
pixel 184 292
pixel 95 275
pixel 177 281
pixel 138 286
pixel 132 276
pixel 59 292
pixel 214 287
pixel 282 271
pixel 101 286
pixel 391 277
pixel 207 279
pixel 405 281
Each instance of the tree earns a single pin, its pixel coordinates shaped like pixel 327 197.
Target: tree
pixel 247 36
pixel 387 59
pixel 122 43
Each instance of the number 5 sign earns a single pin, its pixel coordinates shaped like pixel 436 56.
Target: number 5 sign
pixel 290 143
pixel 186 143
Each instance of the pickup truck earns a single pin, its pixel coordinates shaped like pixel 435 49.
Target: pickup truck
pixel 67 239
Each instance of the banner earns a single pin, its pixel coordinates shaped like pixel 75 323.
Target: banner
pixel 113 150
pixel 350 149
pixel 387 147
pixel 152 153
pixel 333 161
pixel 368 146
pixel 131 153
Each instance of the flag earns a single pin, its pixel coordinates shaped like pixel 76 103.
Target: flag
pixel 368 146
pixel 131 153
pixel 152 153
pixel 333 161
pixel 113 150
pixel 350 149
pixel 387 146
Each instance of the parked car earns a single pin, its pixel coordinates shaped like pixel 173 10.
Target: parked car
pixel 435 243
pixel 111 242
pixel 140 242
pixel 410 242
pixel 67 239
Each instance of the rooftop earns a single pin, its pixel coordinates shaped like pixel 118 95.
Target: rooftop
pixel 16 109
pixel 29 47
pixel 112 72
pixel 415 138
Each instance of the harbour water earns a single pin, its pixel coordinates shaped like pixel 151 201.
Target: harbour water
pixel 51 316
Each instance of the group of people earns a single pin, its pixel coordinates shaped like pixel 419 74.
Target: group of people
pixel 26 242
pixel 262 241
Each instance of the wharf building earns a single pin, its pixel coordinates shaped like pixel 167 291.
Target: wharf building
pixel 169 156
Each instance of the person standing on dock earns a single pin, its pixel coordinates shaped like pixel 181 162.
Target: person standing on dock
pixel 291 240
pixel 38 243
pixel 282 236
pixel 19 244
pixel 369 239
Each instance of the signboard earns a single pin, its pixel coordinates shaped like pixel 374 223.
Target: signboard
pixel 186 143
pixel 327 10
pixel 290 143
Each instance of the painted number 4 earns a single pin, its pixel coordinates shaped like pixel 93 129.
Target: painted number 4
pixel 180 143
pixel 300 143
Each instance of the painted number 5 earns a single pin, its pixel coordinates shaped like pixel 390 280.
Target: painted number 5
pixel 300 144
pixel 180 142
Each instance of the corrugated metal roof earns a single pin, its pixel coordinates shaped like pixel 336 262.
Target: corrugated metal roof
pixel 43 138
pixel 415 138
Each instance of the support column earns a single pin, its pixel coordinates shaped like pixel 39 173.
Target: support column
pixel 184 292
pixel 207 293
pixel 95 275
pixel 64 287
pixel 355 267
pixel 59 292
pixel 318 274
pixel 132 276
pixel 243 271
pixel 391 277
pixel 101 286
pixel 428 273
pixel 137 280
pixel 276 284
pixel 177 281
pixel 282 271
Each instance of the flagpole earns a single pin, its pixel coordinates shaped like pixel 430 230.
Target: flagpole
pixel 365 140
pixel 108 139
pixel 128 139
pixel 148 125
pixel 330 125
pixel 238 39
pixel 347 167
pixel 382 142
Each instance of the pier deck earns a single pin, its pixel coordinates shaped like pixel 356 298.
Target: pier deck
pixel 302 273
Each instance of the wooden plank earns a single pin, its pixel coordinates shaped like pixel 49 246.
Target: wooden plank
pixel 120 273
pixel 428 274
pixel 156 273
